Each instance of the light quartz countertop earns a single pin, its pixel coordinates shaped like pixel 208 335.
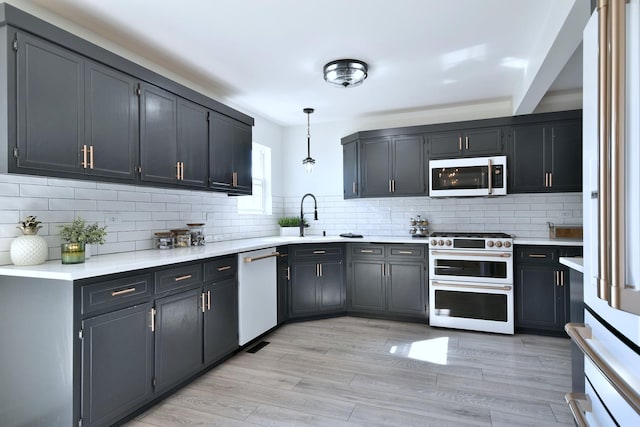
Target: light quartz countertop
pixel 550 242
pixel 575 263
pixel 99 265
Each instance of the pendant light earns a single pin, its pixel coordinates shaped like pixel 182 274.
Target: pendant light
pixel 308 162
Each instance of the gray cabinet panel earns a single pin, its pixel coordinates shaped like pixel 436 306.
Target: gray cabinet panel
pixel 117 364
pixel 158 135
pixel 242 152
pixel 483 142
pixel 367 286
pixel 406 289
pixel 376 164
pixel 220 320
pixel 409 166
pixel 350 178
pixel 303 299
pixel 566 156
pixel 445 145
pixel 229 155
pixel 111 122
pixel 193 143
pixel 528 158
pixel 178 344
pixel 50 107
pixel 331 286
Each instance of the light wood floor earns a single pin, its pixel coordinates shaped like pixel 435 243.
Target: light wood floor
pixel 360 372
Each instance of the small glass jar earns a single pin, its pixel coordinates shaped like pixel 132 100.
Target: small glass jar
pixel 197 234
pixel 163 240
pixel 72 253
pixel 181 238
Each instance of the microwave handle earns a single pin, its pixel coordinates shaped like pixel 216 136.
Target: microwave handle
pixel 490 180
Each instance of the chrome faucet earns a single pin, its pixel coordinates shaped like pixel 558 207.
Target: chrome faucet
pixel 315 212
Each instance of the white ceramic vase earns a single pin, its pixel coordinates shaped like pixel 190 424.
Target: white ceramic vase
pixel 29 250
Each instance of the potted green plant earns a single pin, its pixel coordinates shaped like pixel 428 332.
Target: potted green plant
pixel 290 225
pixel 78 234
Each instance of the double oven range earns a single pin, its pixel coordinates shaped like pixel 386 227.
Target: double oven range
pixel 471 281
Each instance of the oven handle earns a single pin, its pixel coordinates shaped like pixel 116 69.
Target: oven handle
pixel 478 254
pixel 461 285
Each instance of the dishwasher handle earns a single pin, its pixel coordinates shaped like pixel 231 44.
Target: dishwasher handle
pixel 258 258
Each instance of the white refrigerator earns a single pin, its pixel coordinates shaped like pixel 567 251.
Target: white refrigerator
pixel 610 335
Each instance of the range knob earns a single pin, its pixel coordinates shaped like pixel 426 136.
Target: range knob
pixel 507 244
pixel 490 243
pixel 440 242
pixel 498 244
pixel 447 243
pixel 434 242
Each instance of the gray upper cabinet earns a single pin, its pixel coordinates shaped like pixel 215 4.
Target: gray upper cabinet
pixel 111 123
pixel 229 155
pixel 350 179
pixel 158 135
pixel 193 143
pixel 393 166
pixel 546 157
pixel 50 107
pixel 467 143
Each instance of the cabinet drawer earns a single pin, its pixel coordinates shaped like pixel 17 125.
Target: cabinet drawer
pixel 305 251
pixel 115 293
pixel 367 251
pixel 220 268
pixel 536 254
pixel 177 277
pixel 407 251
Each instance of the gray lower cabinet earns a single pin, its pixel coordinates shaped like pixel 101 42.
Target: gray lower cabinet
pixel 178 338
pixel 387 280
pixel 542 288
pixel 317 284
pixel 117 364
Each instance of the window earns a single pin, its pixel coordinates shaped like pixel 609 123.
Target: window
pixel 260 200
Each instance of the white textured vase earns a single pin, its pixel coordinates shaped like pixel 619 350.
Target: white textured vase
pixel 29 250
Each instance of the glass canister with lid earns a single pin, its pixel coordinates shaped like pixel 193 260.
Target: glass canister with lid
pixel 163 240
pixel 181 237
pixel 197 234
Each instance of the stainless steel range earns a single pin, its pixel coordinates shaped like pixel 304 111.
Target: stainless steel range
pixel 471 281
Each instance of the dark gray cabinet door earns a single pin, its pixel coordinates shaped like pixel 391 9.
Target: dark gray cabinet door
pixel 178 344
pixel 367 292
pixel 111 122
pixel 302 296
pixel 406 289
pixel 50 107
pixel 540 299
pixel 220 320
pixel 331 289
pixel 284 276
pixel 445 145
pixel 565 164
pixel 408 166
pixel 158 135
pixel 193 143
pixel 527 167
pixel 229 155
pixel 350 179
pixel 376 167
pixel 483 142
pixel 117 364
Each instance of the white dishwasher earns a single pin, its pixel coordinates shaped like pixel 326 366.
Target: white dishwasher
pixel 257 293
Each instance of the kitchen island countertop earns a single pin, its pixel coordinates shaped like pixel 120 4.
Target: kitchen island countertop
pixel 99 265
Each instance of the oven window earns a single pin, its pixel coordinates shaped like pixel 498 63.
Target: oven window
pixel 466 178
pixel 476 268
pixel 471 305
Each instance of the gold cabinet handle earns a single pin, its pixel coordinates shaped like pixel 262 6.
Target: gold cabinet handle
pixel 208 300
pixel 393 185
pixel 91 157
pixel 537 256
pixel 390 186
pixel 225 268
pixel 178 171
pixel 288 273
pixel 460 143
pixel 366 251
pixel 353 187
pixel 320 265
pixel 550 179
pixel 320 252
pixel 122 292
pixel 234 179
pixel 562 278
pixel 202 301
pixel 405 252
pixel 185 277
pixel 84 156
pixel 153 320
pixel 466 142
pixel 382 269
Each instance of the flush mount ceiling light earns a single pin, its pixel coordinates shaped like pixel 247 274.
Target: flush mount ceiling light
pixel 345 72
pixel 308 162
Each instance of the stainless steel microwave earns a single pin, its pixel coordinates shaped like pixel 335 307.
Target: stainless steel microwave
pixel 474 176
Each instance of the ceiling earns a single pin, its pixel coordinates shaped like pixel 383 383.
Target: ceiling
pixel 267 56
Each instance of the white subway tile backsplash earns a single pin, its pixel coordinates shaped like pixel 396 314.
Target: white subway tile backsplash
pixel 69 204
pixel 23 203
pixel 95 194
pixel 7 189
pixel 113 205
